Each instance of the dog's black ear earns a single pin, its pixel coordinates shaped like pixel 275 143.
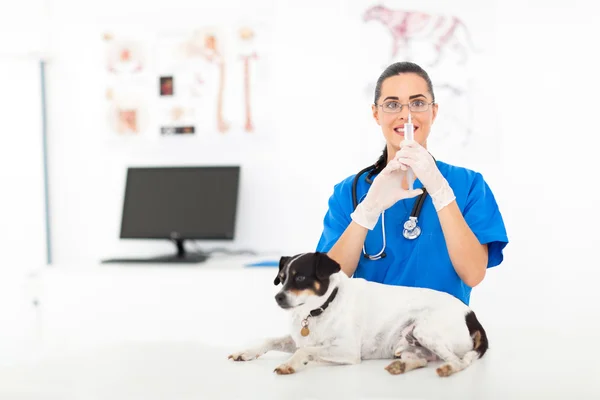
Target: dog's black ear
pixel 326 266
pixel 282 261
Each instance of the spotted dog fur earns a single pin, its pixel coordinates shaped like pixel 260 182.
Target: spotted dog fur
pixel 358 320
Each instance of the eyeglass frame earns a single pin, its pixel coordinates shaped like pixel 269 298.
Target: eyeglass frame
pixel 402 107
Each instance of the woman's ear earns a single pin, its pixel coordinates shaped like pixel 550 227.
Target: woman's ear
pixel 282 261
pixel 375 111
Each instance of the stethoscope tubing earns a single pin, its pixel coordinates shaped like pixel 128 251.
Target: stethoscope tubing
pixel 411 229
pixel 416 211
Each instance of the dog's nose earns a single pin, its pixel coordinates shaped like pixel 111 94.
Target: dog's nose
pixel 280 298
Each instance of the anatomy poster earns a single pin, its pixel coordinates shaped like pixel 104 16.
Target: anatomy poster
pixel 126 67
pixel 204 81
pixel 446 45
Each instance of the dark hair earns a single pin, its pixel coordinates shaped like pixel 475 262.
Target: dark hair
pixel 393 70
pixel 402 68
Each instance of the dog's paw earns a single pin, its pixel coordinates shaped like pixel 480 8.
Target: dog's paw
pixel 396 367
pixel 284 369
pixel 243 356
pixel 444 370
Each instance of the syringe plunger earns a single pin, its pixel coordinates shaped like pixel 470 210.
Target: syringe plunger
pixel 409 134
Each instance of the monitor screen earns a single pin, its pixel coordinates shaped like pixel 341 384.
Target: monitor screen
pixel 180 203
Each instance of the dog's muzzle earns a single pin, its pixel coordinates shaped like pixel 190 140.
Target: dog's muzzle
pixel 282 300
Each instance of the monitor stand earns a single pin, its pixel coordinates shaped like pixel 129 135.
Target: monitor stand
pixel 181 257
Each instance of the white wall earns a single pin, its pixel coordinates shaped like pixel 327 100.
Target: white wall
pixel 534 139
pixel 21 169
pixel 537 109
pixel 307 140
pixel 22 210
pixel 550 142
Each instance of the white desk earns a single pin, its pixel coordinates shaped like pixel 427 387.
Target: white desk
pixel 164 332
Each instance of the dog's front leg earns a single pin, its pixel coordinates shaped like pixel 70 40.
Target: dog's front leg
pixel 285 344
pixel 305 355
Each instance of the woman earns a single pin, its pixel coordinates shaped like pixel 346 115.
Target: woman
pixel 462 231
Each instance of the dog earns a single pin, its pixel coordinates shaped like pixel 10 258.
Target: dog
pixel 337 320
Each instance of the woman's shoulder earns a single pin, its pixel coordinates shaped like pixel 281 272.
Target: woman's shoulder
pixel 458 174
pixel 345 185
pixel 467 184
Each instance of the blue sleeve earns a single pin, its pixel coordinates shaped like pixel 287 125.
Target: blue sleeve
pixel 485 220
pixel 336 219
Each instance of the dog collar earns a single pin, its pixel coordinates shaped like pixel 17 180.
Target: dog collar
pixel 319 311
pixel 316 312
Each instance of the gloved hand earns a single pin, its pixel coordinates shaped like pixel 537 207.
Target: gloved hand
pixel 385 191
pixel 415 156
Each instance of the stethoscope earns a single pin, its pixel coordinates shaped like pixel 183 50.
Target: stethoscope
pixel 411 229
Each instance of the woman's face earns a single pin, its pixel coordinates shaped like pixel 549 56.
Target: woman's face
pixel 404 89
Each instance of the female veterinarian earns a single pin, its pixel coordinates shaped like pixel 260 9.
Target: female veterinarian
pixel 443 234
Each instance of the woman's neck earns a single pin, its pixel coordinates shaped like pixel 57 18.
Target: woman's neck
pixel 391 151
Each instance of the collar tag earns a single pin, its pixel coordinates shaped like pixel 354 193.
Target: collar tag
pixel 317 311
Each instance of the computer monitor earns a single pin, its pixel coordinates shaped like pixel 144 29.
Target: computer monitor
pixel 180 203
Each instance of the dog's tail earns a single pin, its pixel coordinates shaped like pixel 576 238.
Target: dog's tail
pixel 480 346
pixel 480 340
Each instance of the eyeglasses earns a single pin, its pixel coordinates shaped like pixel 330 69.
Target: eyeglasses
pixel 394 106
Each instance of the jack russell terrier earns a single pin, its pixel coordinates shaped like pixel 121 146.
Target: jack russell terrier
pixel 336 319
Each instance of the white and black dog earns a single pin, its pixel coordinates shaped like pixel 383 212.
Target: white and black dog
pixel 342 320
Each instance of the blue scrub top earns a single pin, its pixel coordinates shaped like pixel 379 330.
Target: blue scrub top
pixel 424 261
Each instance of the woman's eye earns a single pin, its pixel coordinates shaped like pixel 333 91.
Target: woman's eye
pixel 299 278
pixel 392 105
pixel 418 103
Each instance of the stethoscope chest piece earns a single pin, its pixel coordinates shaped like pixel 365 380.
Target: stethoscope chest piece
pixel 411 229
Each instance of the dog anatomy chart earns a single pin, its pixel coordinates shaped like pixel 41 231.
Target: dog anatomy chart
pixel 126 62
pixel 200 81
pixel 445 36
pixel 442 45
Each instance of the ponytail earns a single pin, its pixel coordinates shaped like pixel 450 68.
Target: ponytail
pixel 379 164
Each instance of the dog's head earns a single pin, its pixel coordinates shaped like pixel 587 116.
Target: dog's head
pixel 306 279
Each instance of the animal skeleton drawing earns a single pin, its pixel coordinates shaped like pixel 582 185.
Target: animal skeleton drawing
pixel 446 36
pixel 248 126
pixel 123 57
pixel 444 32
pixel 246 35
pixel 207 47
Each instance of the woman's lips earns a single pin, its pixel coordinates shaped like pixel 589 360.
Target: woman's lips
pixel 400 130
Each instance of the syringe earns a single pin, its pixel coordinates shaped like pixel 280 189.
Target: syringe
pixel 409 134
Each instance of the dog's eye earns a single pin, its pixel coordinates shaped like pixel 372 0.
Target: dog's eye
pixel 299 278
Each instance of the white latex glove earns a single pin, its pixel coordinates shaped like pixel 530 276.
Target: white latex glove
pixel 415 156
pixel 385 191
